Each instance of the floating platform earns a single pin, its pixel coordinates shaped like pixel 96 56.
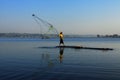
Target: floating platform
pixel 78 47
pixel 81 47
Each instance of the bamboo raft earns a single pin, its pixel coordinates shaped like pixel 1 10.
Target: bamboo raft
pixel 81 47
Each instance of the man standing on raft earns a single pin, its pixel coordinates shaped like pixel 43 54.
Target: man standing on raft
pixel 61 38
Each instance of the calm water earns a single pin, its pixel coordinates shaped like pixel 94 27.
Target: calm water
pixel 22 59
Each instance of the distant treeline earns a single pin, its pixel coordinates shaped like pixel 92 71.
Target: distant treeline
pixel 107 36
pixel 19 35
pixel 30 35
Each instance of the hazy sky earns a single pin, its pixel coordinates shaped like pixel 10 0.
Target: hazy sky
pixel 69 16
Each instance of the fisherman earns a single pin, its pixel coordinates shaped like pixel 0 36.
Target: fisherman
pixel 61 38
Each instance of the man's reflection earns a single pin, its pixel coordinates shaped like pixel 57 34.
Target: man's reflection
pixel 61 54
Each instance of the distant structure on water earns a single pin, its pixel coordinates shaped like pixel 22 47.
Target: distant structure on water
pixel 109 36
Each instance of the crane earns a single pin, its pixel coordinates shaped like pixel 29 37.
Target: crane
pixel 46 29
